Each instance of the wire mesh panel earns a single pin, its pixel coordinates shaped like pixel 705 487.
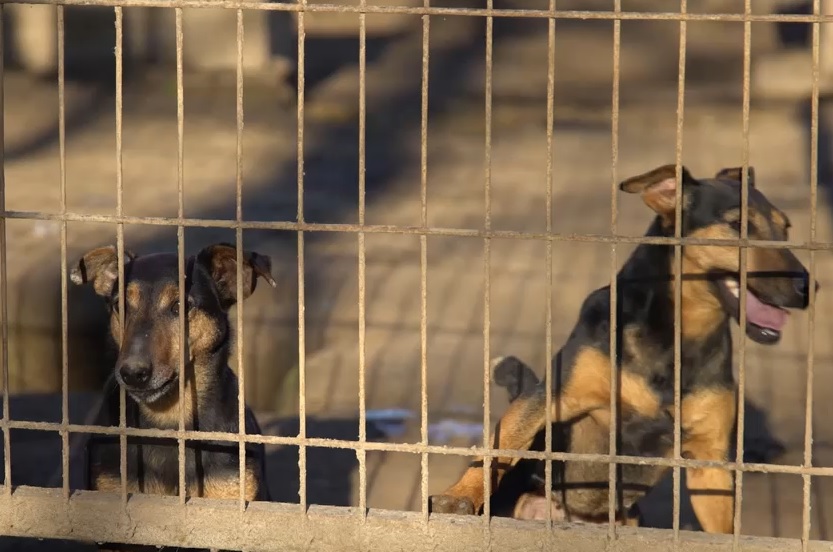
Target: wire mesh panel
pixel 183 520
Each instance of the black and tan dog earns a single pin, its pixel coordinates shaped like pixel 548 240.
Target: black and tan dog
pixel 581 370
pixel 148 369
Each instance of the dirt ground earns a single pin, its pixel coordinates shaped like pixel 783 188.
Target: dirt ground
pixel 457 167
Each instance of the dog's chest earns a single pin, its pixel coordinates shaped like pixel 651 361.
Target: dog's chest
pixel 701 364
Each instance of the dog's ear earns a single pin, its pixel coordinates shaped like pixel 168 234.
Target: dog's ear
pixel 100 268
pixel 658 188
pixel 736 174
pixel 220 260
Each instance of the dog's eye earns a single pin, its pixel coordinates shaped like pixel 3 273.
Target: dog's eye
pixel 175 306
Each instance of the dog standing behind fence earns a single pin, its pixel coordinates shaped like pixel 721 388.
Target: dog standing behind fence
pixel 645 326
pixel 148 369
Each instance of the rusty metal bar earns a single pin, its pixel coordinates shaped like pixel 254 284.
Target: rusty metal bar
pixel 487 277
pixel 119 51
pixel 415 448
pixel 362 456
pixel 180 245
pixel 62 153
pixel 548 353
pixel 238 237
pixel 302 357
pixel 613 495
pixel 423 266
pixel 811 323
pixel 304 7
pixel 417 230
pixel 678 276
pixel 744 233
pixel 206 523
pixel 4 296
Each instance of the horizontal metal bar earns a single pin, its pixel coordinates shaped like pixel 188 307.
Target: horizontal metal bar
pixel 217 524
pixel 416 448
pixel 441 11
pixel 412 230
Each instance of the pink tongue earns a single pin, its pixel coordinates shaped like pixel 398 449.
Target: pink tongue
pixel 763 315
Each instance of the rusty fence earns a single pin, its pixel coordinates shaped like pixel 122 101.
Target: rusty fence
pixel 195 522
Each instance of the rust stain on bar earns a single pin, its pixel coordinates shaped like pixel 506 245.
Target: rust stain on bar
pixel 548 353
pixel 744 233
pixel 678 270
pixel 4 297
pixel 119 51
pixel 303 7
pixel 614 222
pixel 180 239
pixel 238 194
pixel 423 266
pixel 62 153
pixel 302 357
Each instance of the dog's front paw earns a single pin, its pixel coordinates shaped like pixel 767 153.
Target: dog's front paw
pixel 445 504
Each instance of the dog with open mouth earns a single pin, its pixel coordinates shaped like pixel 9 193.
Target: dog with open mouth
pixel 710 298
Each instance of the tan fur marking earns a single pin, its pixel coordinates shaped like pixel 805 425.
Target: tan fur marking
pixel 110 483
pixel 167 297
pixel 780 220
pixel 133 295
pixel 707 420
pixel 701 310
pixel 229 488
pixel 732 215
pixel 587 390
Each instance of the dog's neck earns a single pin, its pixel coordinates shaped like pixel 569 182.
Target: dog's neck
pixel 646 283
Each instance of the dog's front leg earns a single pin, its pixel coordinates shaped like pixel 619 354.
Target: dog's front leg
pixel 707 419
pixel 585 389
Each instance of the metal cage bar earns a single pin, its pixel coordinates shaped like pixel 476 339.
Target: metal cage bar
pixel 811 324
pixel 4 294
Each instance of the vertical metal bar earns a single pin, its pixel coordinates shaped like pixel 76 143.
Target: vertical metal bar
pixel 548 256
pixel 487 284
pixel 64 309
pixel 614 230
pixel 678 269
pixel 743 251
pixel 811 324
pixel 302 371
pixel 361 453
pixel 423 263
pixel 119 50
pixel 180 247
pixel 4 297
pixel 238 194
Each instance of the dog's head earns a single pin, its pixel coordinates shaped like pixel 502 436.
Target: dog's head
pixel 149 341
pixel 776 279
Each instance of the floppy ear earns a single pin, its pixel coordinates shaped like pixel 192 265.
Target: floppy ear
pixel 658 188
pixel 99 267
pixel 736 174
pixel 220 260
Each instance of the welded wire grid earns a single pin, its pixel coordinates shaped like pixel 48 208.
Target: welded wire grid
pixel 361 229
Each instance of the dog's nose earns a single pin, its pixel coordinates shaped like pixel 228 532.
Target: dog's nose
pixel 801 285
pixel 135 373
